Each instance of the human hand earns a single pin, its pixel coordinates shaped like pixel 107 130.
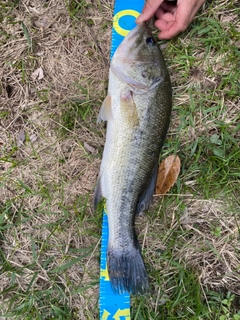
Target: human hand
pixel 171 18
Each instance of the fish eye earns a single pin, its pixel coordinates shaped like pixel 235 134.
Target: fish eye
pixel 150 41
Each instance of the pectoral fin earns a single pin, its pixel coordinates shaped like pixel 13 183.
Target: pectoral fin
pixel 105 112
pixel 128 108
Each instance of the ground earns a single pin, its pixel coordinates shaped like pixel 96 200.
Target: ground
pixel 54 60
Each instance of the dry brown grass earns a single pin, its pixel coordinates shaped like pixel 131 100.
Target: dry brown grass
pixel 69 52
pixel 213 249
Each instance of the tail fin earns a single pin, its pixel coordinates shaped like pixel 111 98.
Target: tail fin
pixel 127 271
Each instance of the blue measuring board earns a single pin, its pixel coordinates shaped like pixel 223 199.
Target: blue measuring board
pixel 113 306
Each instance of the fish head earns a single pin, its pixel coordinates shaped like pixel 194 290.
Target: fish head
pixel 138 60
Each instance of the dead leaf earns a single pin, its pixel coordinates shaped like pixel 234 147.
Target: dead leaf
pixel 167 174
pixel 41 22
pixel 33 137
pixel 89 148
pixel 21 137
pixel 37 74
pixel 39 53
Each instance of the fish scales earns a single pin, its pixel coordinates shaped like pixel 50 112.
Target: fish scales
pixel 137 110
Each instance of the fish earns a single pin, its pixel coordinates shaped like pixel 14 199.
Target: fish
pixel 137 109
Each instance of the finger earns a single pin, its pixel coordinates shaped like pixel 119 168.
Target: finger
pixel 169 29
pixel 186 12
pixel 162 25
pixel 159 13
pixel 167 16
pixel 149 9
pixel 168 6
pixel 183 17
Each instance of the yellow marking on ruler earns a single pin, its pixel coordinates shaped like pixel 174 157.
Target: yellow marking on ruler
pixel 105 207
pixel 105 315
pixel 122 313
pixel 104 274
pixel 118 16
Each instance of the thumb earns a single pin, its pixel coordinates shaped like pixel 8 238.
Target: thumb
pixel 149 10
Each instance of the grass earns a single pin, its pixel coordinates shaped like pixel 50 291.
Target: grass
pixel 49 234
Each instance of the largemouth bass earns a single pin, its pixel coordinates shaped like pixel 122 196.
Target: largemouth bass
pixel 137 110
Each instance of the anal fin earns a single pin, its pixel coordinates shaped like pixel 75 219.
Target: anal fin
pixel 97 194
pixel 146 197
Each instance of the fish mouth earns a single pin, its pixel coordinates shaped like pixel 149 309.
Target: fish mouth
pixel 139 28
pixel 130 39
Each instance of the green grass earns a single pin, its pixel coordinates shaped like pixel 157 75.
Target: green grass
pixel 214 152
pixel 44 295
pixel 76 111
pixel 206 138
pixel 49 233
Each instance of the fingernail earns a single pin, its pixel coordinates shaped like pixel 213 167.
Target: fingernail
pixel 139 19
